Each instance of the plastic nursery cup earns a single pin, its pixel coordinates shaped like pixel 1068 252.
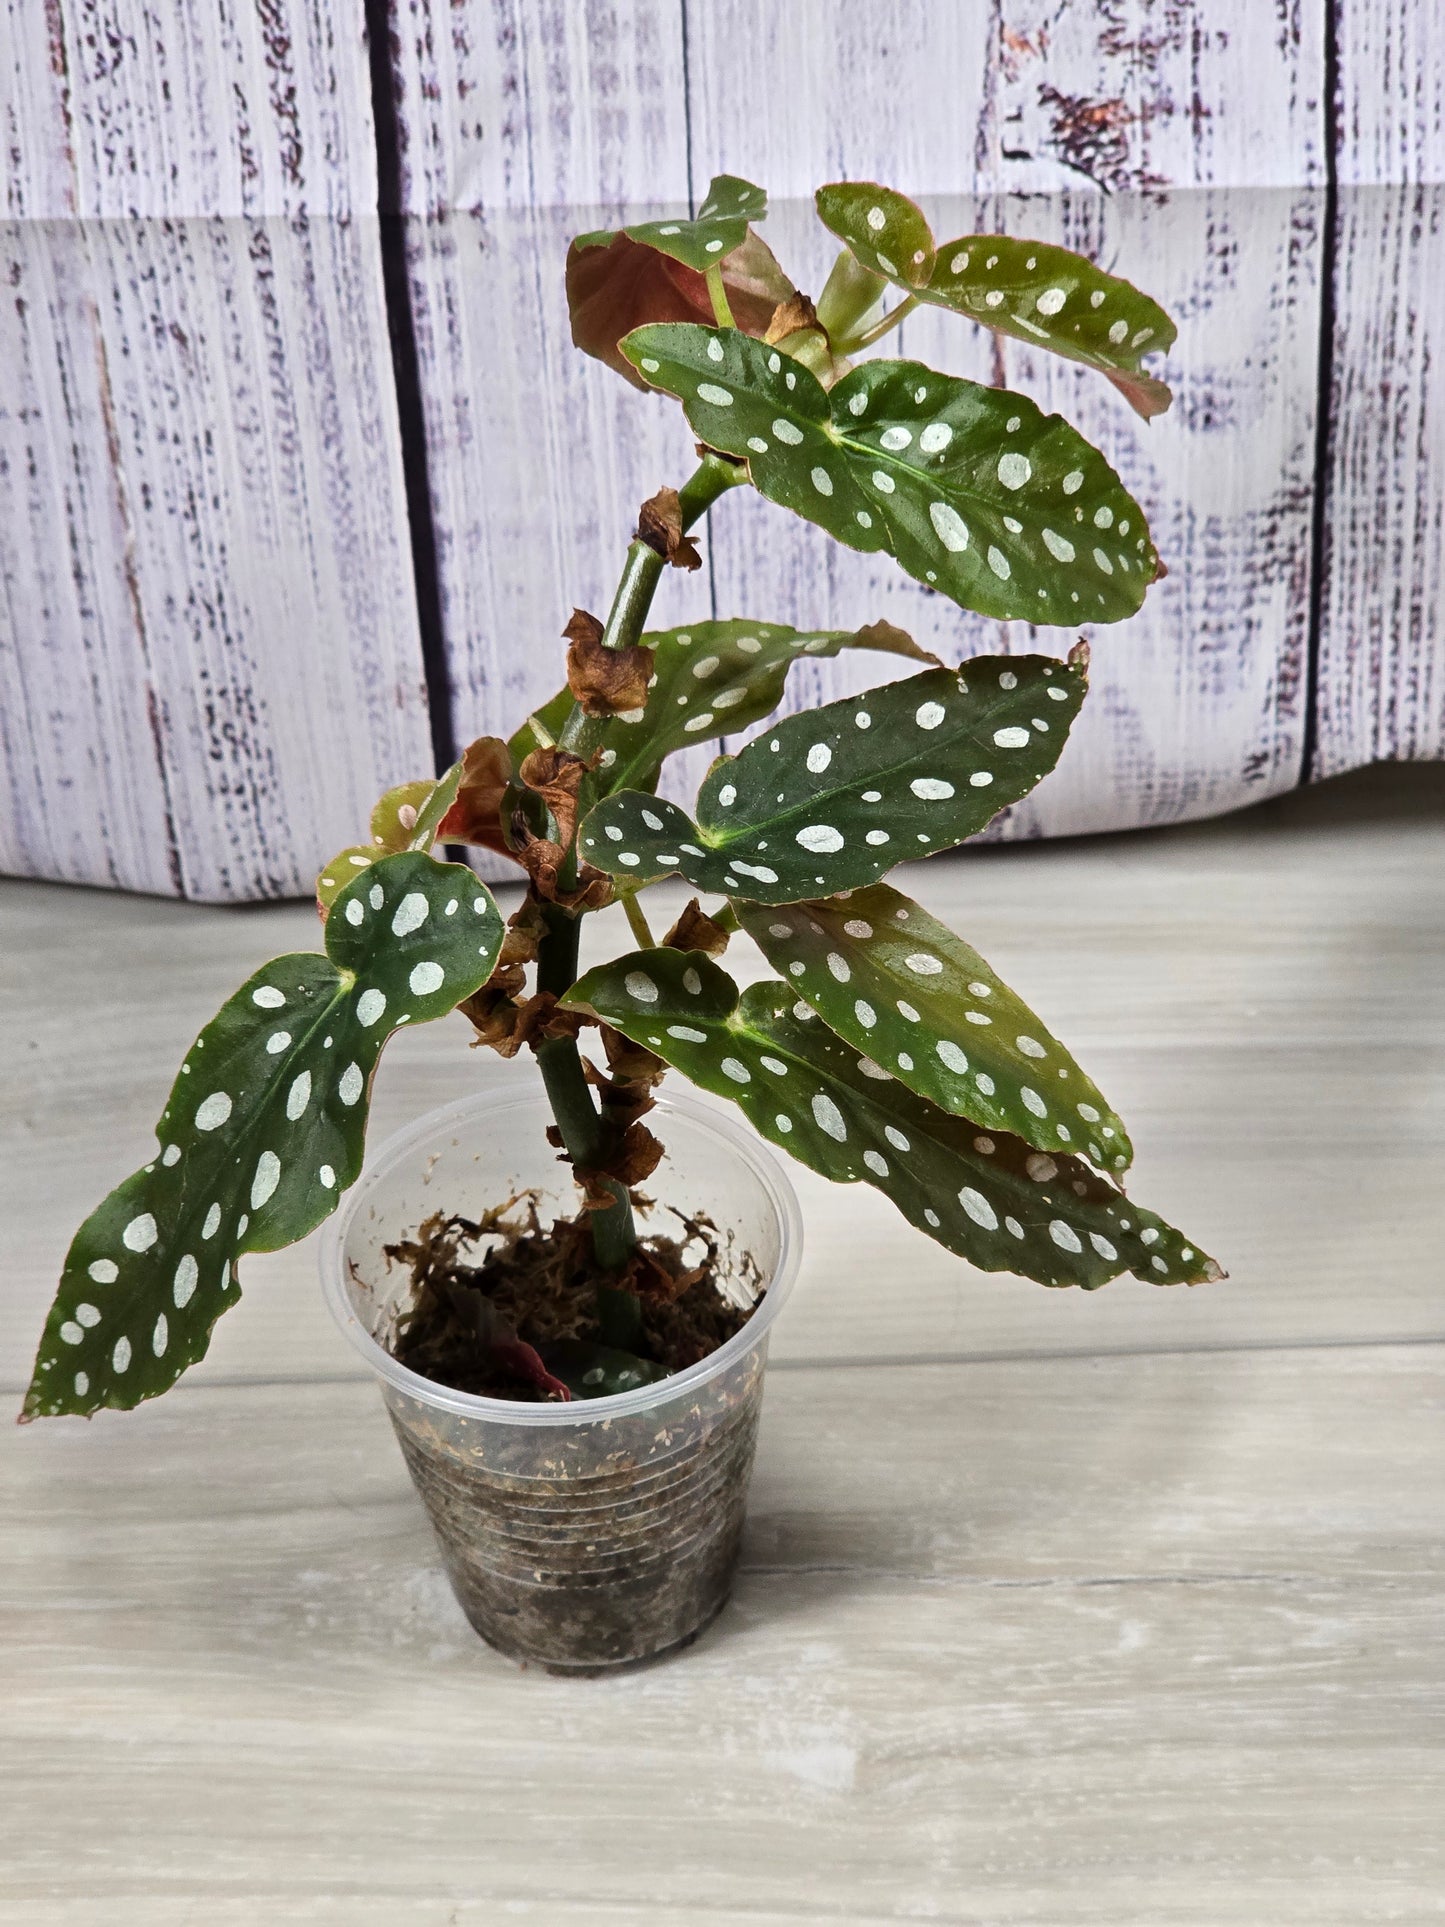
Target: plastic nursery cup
pixel 589 1534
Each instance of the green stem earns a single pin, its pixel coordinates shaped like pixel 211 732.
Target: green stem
pixel 722 313
pixel 879 328
pixel 585 1133
pixel 637 922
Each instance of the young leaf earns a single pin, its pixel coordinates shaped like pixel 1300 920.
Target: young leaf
pixel 720 225
pixel 990 1197
pixel 552 715
pixel 884 229
pixel 394 817
pixel 973 490
pixel 405 818
pixel 896 983
pixel 830 799
pixel 656 271
pixel 716 676
pixel 262 1132
pixel 1048 296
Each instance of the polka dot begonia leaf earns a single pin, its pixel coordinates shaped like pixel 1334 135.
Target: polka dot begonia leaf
pixel 986 1195
pixel 262 1132
pixel 1047 296
pixel 832 798
pixel 897 984
pixel 721 224
pixel 715 677
pixel 972 490
pixel 405 818
pixel 884 230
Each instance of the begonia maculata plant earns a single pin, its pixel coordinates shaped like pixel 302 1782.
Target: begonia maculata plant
pixel 884 1050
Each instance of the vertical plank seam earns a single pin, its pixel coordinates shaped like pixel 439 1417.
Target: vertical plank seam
pixel 1325 396
pixel 154 705
pixel 391 212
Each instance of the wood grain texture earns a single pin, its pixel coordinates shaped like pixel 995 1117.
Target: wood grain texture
pixel 526 124
pixel 1180 155
pixel 1117 1611
pixel 1381 670
pixel 1237 988
pixel 203 534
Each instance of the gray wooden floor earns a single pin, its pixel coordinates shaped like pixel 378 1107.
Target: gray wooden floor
pixel 1120 1609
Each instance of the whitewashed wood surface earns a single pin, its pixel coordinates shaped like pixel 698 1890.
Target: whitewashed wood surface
pixel 1119 1609
pixel 204 541
pixel 209 664
pixel 1381 670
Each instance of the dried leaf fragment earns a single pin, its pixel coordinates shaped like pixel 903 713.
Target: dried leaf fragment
pixel 608 682
pixel 476 815
pixel 554 775
pixel 696 930
pixel 659 525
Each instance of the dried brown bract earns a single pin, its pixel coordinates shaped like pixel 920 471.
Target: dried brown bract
pixel 789 316
pixel 659 525
pixel 608 682
pixel 696 930
pixel 476 815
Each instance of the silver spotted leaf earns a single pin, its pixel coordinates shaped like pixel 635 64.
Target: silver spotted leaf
pixel 1056 299
pixel 261 1133
pixel 973 490
pixel 405 818
pixel 988 1196
pixel 590 1370
pixel 884 229
pixel 899 985
pixel 1045 295
pixel 720 225
pixel 831 799
pixel 711 677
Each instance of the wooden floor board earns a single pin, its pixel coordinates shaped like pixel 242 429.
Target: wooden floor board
pixel 1120 1610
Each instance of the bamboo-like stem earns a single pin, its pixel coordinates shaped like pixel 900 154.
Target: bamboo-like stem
pixel 879 328
pixel 637 922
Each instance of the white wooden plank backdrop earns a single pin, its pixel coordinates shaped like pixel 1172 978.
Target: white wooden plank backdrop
pixel 209 663
pixel 1381 667
pixel 204 540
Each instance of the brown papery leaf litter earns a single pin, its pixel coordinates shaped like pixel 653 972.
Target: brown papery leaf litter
pixel 543 1282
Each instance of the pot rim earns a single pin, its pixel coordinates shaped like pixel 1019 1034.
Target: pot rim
pixel 737 1138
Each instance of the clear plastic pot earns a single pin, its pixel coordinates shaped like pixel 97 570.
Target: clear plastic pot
pixel 591 1534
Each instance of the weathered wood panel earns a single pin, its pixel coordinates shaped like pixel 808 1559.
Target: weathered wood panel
pixel 1381 667
pixel 210 661
pixel 1183 155
pixel 525 124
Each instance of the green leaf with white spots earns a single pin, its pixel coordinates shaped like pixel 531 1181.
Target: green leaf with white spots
pixel 973 490
pixel 552 715
pixel 1053 298
pixel 720 226
pixel 1047 296
pixel 715 676
pixel 831 799
pixel 988 1196
pixel 886 231
pixel 589 1370
pixel 405 818
pixel 899 985
pixel 394 817
pixel 262 1132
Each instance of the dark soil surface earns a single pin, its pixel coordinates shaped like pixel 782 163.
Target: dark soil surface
pixel 507 1307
